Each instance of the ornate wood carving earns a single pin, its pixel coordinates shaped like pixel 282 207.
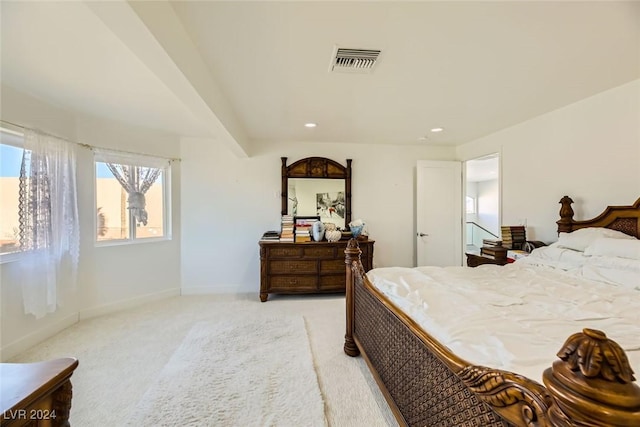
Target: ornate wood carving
pixel 566 215
pixel 592 383
pixel 316 167
pixel 622 218
pixel 526 402
pixel 352 260
pixel 62 403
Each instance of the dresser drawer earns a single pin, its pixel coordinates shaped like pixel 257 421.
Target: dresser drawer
pixel 334 282
pixel 333 266
pixel 293 266
pixel 320 252
pixel 288 251
pixel 279 283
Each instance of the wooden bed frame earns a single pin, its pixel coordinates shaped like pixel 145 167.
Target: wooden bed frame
pixel 425 384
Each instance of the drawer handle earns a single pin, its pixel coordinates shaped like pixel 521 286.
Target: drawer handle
pixel 293 281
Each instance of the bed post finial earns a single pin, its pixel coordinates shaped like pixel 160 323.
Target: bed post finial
pixel 592 384
pixel 352 253
pixel 566 215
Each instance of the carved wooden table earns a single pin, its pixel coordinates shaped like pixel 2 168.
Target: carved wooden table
pixel 36 394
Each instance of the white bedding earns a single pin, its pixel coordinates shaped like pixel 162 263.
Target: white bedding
pixel 516 317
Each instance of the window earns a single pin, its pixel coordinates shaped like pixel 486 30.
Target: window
pixel 11 149
pixel 471 205
pixel 131 197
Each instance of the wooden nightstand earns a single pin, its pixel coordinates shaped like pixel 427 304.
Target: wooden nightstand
pixel 474 260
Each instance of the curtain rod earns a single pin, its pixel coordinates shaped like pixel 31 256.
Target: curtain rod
pixel 92 147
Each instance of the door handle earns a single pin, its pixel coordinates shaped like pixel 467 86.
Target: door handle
pixel 422 234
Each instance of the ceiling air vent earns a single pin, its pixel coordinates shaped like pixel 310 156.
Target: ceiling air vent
pixel 354 60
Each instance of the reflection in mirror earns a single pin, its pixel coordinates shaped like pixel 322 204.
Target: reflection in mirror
pixel 317 186
pixel 318 196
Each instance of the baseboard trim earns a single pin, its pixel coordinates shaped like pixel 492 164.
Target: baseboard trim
pixel 127 303
pixel 210 290
pixel 13 349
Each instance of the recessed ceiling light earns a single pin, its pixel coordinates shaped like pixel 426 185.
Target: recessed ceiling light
pixel 437 129
pixel 310 125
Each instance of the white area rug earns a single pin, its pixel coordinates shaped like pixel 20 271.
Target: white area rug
pixel 237 372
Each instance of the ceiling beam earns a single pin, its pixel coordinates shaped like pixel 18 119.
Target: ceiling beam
pixel 153 32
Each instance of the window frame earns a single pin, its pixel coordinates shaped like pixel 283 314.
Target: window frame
pixel 6 257
pixel 166 207
pixel 474 203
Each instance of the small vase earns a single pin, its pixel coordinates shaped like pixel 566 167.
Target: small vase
pixel 318 231
pixel 333 235
pixel 356 230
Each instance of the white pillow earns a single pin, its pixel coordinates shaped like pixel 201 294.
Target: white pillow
pixel 620 271
pixel 556 257
pixel 583 237
pixel 622 248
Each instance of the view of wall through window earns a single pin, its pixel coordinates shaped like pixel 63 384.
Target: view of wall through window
pixel 10 159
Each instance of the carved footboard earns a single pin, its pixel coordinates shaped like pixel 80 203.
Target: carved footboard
pixel 427 385
pixel 424 390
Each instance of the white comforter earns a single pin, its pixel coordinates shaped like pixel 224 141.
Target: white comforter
pixel 515 317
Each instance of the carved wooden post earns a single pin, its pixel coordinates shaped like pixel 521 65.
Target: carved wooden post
pixel 592 384
pixel 352 253
pixel 62 404
pixel 264 295
pixel 566 215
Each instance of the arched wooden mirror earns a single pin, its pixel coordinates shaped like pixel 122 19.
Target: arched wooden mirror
pixel 317 186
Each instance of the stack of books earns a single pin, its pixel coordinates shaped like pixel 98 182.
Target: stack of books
pixel 491 242
pixel 303 229
pixel 286 228
pixel 270 235
pixel 494 252
pixel 513 236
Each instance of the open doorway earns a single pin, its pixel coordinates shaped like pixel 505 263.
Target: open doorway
pixel 482 201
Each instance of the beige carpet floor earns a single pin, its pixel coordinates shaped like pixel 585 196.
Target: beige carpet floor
pixel 121 355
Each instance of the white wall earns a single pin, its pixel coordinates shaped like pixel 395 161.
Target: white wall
pixel 109 278
pixel 229 202
pixel 589 151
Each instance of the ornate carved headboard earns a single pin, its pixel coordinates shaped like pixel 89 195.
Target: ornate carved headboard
pixel 622 218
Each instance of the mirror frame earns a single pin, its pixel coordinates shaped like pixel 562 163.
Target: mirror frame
pixel 317 167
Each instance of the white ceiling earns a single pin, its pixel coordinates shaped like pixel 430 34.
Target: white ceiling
pixel 254 72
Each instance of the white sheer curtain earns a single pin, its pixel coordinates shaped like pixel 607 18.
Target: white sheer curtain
pixel 48 217
pixel 136 174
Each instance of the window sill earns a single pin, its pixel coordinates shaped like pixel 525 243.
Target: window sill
pixel 10 257
pixel 124 242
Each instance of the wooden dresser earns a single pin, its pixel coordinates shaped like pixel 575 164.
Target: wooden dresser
pixel 306 268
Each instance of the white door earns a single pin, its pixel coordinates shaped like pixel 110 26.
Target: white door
pixel 439 213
